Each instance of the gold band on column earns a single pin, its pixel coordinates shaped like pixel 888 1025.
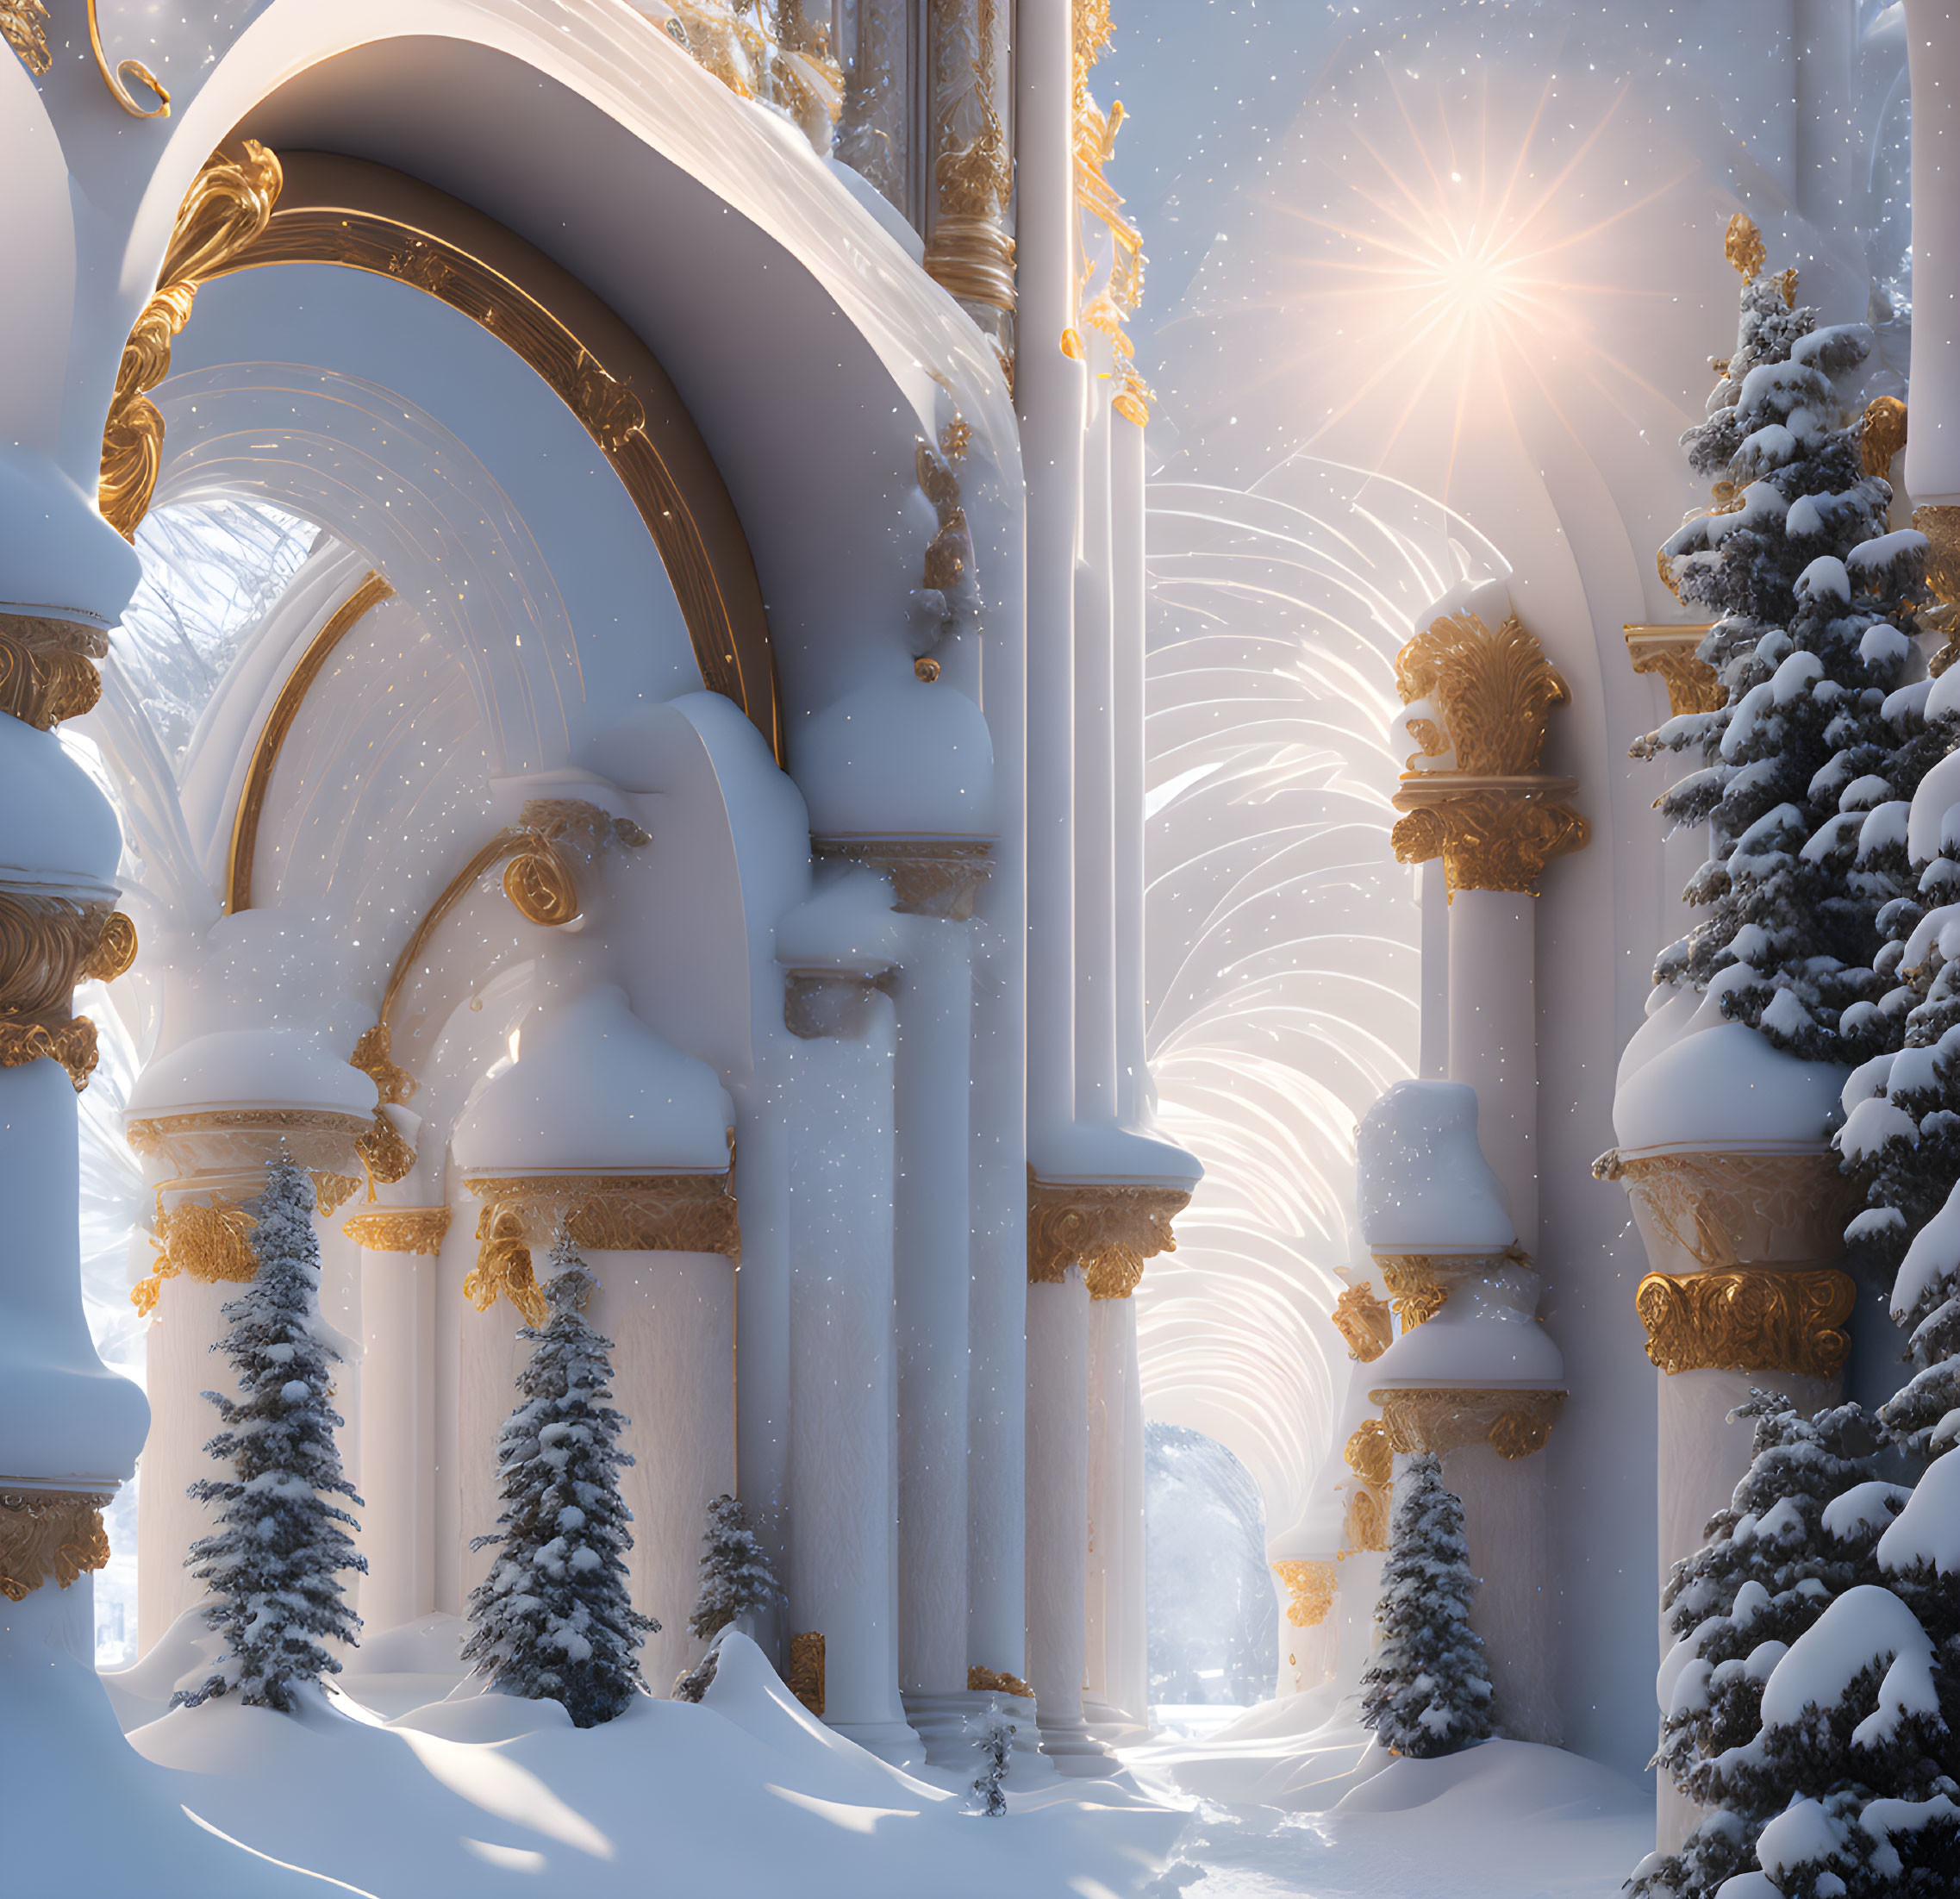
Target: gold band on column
pixel 398 1229
pixel 1671 652
pixel 1108 1231
pixel 1751 1318
pixel 48 1533
pixel 1444 1419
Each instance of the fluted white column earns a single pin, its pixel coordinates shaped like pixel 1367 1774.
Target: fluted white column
pixel 1117 1695
pixel 933 1227
pixel 1050 395
pixel 1058 1517
pixel 1129 601
pixel 1494 1038
pixel 843 1379
pixel 1094 833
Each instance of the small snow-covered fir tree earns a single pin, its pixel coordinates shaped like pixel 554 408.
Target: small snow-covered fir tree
pixel 1424 1693
pixel 736 1578
pixel 552 1620
pixel 273 1564
pixel 1795 560
pixel 991 1733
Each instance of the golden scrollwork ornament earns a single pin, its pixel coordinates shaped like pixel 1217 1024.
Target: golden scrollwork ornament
pixel 47 1534
pixel 1310 1589
pixel 1366 1322
pixel 1748 1320
pixel 1109 1231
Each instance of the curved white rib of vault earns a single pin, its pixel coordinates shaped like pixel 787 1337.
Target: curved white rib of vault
pixel 1282 938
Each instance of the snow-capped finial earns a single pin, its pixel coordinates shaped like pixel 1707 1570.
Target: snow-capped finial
pixel 1744 247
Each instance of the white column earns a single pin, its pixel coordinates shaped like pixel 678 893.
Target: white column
pixel 1116 1699
pixel 396 1427
pixel 1932 450
pixel 671 1318
pixel 1494 1038
pixel 762 1317
pixel 844 1386
pixel 1094 830
pixel 1058 1518
pixel 1050 395
pixel 934 1229
pixel 1129 617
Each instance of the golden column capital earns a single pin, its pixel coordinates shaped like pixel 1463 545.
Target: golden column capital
pixel 1109 1231
pixel 1367 1323
pixel 48 1533
pixel 1310 1586
pixel 1480 700
pixel 1514 1423
pixel 51 938
pixel 1670 652
pixel 522 1215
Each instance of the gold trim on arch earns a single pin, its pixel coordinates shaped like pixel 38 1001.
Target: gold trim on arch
pixel 266 754
pixel 367 217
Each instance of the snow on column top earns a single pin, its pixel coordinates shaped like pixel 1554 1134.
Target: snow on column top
pixel 271 1067
pixel 1422 1181
pixel 593 1087
pixel 1720 1085
pixel 58 556
pixel 900 759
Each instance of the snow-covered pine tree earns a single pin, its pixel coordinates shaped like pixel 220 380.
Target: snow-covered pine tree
pixel 1424 1693
pixel 991 1733
pixel 1801 1529
pixel 274 1563
pixel 1790 775
pixel 552 1620
pixel 735 1573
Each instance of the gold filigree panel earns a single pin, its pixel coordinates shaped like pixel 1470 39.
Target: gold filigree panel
pixel 47 1533
pixel 1310 1588
pixel 398 1229
pixel 1109 1231
pixel 994 1680
pixel 1490 837
pixel 1748 1320
pixel 1441 1419
pixel 1729 1209
pixel 806 1670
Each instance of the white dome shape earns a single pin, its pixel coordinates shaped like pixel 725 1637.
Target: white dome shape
pixel 1485 1338
pixel 595 1088
pixel 251 1068
pixel 906 759
pixel 1727 1087
pixel 57 823
pixel 1422 1181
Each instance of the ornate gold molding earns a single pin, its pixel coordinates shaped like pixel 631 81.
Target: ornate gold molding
pixel 778 56
pixel 211 1242
pixel 1311 1586
pixel 994 1680
pixel 805 1671
pixel 1441 1420
pixel 365 217
pixel 228 204
pixel 48 668
pixel 1108 1231
pixel 618 1213
pixel 1105 306
pixel 1692 684
pixel 1724 1210
pixel 1366 1322
pixel 1743 246
pixel 48 1533
pixel 1748 1320
pixel 50 940
pixel 1365 1522
pixel 398 1229
pixel 1419 1283
pixel 23 26
pixel 116 77
pixel 1483 697
pixel 930 877
pixel 1368 1456
pixel 285 710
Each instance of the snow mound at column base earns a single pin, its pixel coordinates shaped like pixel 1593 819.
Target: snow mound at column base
pixel 743 1795
pixel 1339 1818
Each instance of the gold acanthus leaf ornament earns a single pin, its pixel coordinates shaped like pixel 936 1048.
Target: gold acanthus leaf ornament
pixel 1744 247
pixel 70 1043
pixel 229 204
pixel 1489 695
pixel 398 1229
pixel 995 1681
pixel 1109 1231
pixel 210 1241
pixel 23 26
pixel 1310 1588
pixel 1671 652
pixel 1490 838
pixel 48 668
pixel 503 1265
pixel 47 1533
pixel 1882 434
pixel 1369 1455
pixel 1748 1320
pixel 1366 1322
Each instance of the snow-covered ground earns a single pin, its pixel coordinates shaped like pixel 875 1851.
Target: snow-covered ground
pixel 401 1782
